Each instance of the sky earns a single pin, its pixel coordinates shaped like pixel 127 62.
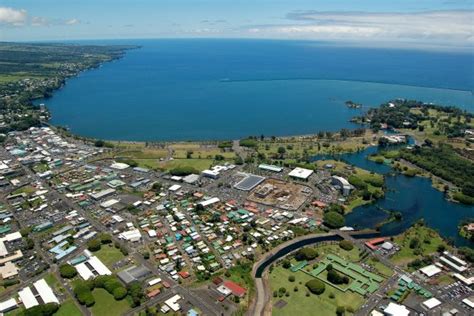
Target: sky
pixel 431 24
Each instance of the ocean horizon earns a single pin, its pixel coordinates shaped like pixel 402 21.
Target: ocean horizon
pixel 227 89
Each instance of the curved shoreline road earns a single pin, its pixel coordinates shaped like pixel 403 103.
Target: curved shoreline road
pixel 258 306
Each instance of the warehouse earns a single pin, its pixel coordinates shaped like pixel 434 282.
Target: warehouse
pixel 101 194
pixel 133 274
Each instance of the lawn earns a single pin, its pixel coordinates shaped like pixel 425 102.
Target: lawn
pixel 198 164
pixel 300 304
pixel 429 240
pixel 105 304
pixel 109 255
pixel 180 151
pixel 352 255
pixel 53 282
pixel 380 267
pixel 68 308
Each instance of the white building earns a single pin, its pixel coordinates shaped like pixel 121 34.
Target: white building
pixel 343 184
pixel 396 310
pixel 45 292
pixel 431 303
pixel 27 298
pixel 8 305
pixel 430 270
pixel 131 235
pixel 301 173
pixel 92 268
pixel 173 303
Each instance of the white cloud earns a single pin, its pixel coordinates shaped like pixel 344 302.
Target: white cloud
pixel 19 17
pixel 10 16
pixel 39 21
pixel 430 27
pixel 72 22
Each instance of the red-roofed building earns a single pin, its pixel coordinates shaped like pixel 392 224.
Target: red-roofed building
pixel 372 244
pixel 236 289
pixel 153 293
pixel 184 274
pixel 217 281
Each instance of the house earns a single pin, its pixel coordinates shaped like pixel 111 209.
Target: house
pixel 235 289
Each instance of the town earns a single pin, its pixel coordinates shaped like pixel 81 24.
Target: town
pixel 85 233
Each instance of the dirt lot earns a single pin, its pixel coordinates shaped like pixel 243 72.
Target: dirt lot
pixel 281 194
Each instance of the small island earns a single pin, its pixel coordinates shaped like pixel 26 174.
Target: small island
pixel 352 105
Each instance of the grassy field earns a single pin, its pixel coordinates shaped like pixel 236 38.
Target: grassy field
pixel 380 267
pixel 429 240
pixel 198 164
pixel 296 147
pixel 352 255
pixel 198 151
pixel 300 304
pixel 105 304
pixel 68 308
pixel 429 130
pixel 108 254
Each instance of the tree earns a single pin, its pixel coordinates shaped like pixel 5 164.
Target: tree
pixel 286 264
pixel 316 286
pixel 346 245
pixel 306 253
pixel 99 143
pixel 281 151
pixel 334 277
pixel 41 310
pixel 291 278
pixel 67 271
pixel 120 293
pixel 334 220
pixel 183 171
pixel 136 293
pixel 94 245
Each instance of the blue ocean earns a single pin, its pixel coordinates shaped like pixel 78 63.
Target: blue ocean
pixel 193 89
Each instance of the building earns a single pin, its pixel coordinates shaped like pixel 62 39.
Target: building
pixel 343 184
pixel 453 262
pixel 272 168
pixel 430 270
pixel 301 173
pixel 133 274
pixel 236 289
pixel 372 244
pixel 45 292
pixel 8 305
pixel 133 235
pixel 209 201
pixel 174 187
pixel 92 268
pixel 101 194
pixel 431 303
pixel 173 303
pixel 191 179
pixel 210 174
pixel 396 310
